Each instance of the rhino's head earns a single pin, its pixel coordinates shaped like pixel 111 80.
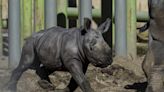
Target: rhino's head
pixel 96 49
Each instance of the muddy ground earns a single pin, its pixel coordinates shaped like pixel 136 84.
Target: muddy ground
pixel 114 78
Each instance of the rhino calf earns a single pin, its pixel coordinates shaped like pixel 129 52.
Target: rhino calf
pixel 59 49
pixel 153 65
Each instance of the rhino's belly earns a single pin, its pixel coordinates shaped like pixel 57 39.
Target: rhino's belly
pixel 54 65
pixel 50 60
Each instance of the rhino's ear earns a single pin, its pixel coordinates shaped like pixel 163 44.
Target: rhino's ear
pixel 87 23
pixel 86 26
pixel 105 26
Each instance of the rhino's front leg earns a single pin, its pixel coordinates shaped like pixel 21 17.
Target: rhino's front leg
pixel 73 85
pixel 76 70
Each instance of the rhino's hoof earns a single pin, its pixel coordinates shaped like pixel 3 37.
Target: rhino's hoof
pixel 46 85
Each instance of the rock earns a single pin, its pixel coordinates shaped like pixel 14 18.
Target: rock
pixel 29 82
pixel 60 79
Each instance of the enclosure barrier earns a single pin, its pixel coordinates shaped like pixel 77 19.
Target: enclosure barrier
pixel 142 16
pixel 73 13
pixel 132 17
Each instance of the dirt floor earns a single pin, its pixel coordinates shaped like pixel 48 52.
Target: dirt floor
pixel 124 75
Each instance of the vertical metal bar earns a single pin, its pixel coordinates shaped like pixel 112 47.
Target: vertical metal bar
pixel 85 10
pixel 50 13
pixel 131 28
pixel 14 33
pixel 120 26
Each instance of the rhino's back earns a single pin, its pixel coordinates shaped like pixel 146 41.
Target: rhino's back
pixel 48 45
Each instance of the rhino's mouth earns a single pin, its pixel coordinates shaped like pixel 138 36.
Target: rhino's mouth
pixel 102 64
pixel 99 60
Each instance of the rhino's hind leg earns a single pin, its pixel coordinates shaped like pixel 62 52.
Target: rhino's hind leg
pixel 27 59
pixel 45 82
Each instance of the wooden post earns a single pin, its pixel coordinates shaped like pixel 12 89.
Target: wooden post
pixel 26 19
pixel 131 29
pixel 39 15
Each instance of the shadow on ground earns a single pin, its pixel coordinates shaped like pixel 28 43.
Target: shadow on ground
pixel 139 87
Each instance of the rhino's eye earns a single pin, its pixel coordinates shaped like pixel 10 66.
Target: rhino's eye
pixel 93 42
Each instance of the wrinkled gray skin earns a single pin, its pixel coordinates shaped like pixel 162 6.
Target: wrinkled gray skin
pixel 64 50
pixel 153 64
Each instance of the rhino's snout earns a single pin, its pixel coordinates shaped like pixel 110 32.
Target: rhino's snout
pixel 105 56
pixel 104 61
pixel 103 65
